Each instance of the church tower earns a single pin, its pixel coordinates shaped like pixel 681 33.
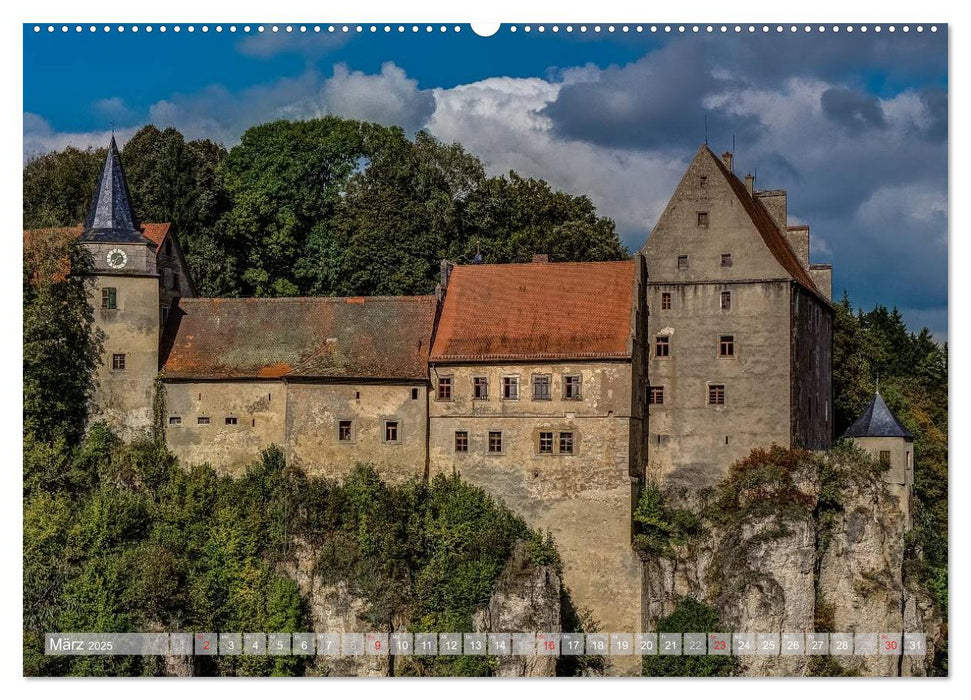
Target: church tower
pixel 133 285
pixel 880 433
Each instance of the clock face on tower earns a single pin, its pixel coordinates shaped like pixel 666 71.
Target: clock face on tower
pixel 117 258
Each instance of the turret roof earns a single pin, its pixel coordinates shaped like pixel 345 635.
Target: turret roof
pixel 878 421
pixel 111 218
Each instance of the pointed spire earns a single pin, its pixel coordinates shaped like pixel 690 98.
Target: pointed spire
pixel 878 421
pixel 111 217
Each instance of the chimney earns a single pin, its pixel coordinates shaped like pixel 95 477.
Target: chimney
pixel 750 183
pixel 541 258
pixel 446 272
pixel 727 159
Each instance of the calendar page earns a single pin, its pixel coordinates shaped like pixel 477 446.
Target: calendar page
pixel 527 349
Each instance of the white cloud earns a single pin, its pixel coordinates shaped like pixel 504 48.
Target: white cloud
pixel 389 97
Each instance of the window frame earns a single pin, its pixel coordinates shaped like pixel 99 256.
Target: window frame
pixel 566 437
pixel 175 421
pixel 579 386
pixel 726 346
pixel 666 301
pixel 717 395
pixel 702 219
pixel 231 420
pixel 540 441
pixel 683 259
pixel 725 300
pixel 489 442
pixel 534 383
pixel 447 380
pixel 727 260
pixel 480 381
pixel 109 298
pixel 654 393
pixel 455 441
pixel 349 424
pixel 119 362
pixel 662 341
pixel 396 426
pixel 510 381
pixel 203 420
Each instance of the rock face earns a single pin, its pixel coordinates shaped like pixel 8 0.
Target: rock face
pixel 525 597
pixel 811 568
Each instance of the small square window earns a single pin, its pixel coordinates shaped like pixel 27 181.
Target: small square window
pixel 495 441
pixel 571 387
pixel 231 420
pixel 391 431
pixel 546 443
pixel 716 394
pixel 566 443
pixel 657 395
pixel 480 388
pixel 109 298
pixel 682 262
pixel 541 387
pixel 665 301
pixel 444 388
pixel 510 388
pixel 726 301
pixel 344 431
pixel 203 420
pixel 702 219
pixel 726 259
pixel 662 346
pixel 461 441
pixel 414 394
pixel 726 346
pixel 175 420
pixel 118 361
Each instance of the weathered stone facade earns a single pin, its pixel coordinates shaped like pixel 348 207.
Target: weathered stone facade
pixel 739 335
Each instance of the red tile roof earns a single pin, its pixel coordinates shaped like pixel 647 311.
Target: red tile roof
pixel 318 337
pixel 774 239
pixel 536 311
pixel 156 233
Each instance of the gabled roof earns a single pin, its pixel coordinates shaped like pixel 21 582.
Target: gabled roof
pixel 111 217
pixel 878 421
pixel 536 311
pixel 774 239
pixel 299 337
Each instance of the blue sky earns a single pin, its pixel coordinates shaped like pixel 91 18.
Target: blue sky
pixel 854 125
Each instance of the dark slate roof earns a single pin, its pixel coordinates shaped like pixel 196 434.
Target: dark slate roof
pixel 299 337
pixel 536 311
pixel 878 421
pixel 111 218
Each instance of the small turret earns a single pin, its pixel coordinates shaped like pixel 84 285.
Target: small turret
pixel 879 432
pixel 111 218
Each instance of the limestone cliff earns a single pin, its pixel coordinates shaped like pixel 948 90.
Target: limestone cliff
pixel 792 542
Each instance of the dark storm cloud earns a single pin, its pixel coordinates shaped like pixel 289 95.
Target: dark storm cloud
pixel 853 110
pixel 655 102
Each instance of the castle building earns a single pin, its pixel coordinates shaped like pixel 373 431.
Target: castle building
pixel 886 439
pixel 739 328
pixel 559 388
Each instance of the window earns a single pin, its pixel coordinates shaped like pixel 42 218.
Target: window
pixel 726 346
pixel 702 219
pixel 566 443
pixel 165 314
pixel 414 394
pixel 703 181
pixel 884 458
pixel 444 388
pixel 168 246
pixel 541 387
pixel 391 431
pixel 175 420
pixel 662 347
pixel 571 387
pixel 461 441
pixel 510 388
pixel 726 259
pixel 231 420
pixel 495 441
pixel 726 301
pixel 109 298
pixel 546 443
pixel 175 281
pixel 682 262
pixel 344 431
pixel 480 388
pixel 118 361
pixel 657 395
pixel 716 394
pixel 203 420
pixel 665 301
